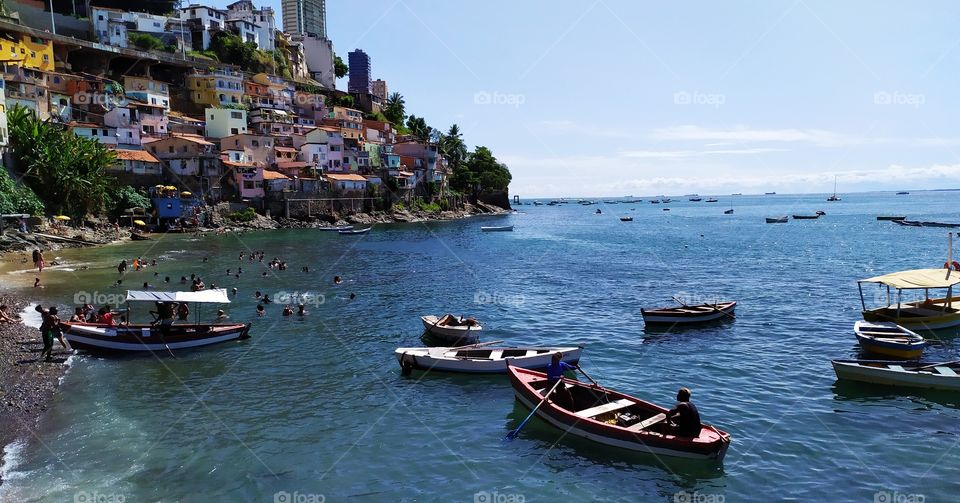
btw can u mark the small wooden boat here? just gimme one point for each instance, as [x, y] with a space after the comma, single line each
[337, 229]
[615, 419]
[351, 231]
[599, 211]
[898, 373]
[139, 237]
[626, 219]
[712, 200]
[689, 314]
[654, 201]
[666, 209]
[889, 339]
[777, 220]
[769, 193]
[728, 212]
[939, 224]
[139, 338]
[667, 200]
[696, 199]
[902, 193]
[497, 228]
[482, 360]
[891, 217]
[806, 217]
[453, 329]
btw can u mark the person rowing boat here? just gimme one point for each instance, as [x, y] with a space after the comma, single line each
[555, 370]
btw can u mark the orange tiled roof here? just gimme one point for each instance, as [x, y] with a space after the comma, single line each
[135, 155]
[274, 175]
[346, 178]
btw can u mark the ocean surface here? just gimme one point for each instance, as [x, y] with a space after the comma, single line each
[314, 408]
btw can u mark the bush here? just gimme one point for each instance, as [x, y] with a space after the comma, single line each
[398, 206]
[145, 41]
[17, 198]
[127, 197]
[246, 215]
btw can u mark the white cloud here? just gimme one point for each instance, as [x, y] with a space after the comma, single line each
[743, 134]
[684, 154]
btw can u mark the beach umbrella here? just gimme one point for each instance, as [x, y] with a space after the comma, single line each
[186, 193]
[62, 217]
[139, 222]
[171, 187]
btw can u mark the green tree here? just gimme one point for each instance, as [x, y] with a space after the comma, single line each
[127, 197]
[418, 128]
[394, 108]
[481, 172]
[340, 68]
[67, 172]
[452, 146]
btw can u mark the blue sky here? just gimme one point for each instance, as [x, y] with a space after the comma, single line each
[611, 97]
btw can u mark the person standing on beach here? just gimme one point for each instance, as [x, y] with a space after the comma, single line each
[122, 268]
[48, 329]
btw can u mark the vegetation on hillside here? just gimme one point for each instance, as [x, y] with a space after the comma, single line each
[67, 173]
[16, 197]
[340, 68]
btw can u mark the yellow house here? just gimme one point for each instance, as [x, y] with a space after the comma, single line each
[29, 52]
[216, 88]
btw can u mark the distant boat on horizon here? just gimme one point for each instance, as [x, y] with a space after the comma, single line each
[902, 193]
[834, 197]
[770, 193]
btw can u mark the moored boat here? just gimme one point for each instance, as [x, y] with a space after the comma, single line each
[497, 228]
[927, 314]
[337, 229]
[689, 314]
[891, 217]
[626, 219]
[944, 375]
[352, 231]
[806, 217]
[777, 220]
[452, 329]
[889, 339]
[712, 200]
[138, 338]
[613, 418]
[482, 360]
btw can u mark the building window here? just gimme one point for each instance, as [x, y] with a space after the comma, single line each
[234, 130]
[236, 115]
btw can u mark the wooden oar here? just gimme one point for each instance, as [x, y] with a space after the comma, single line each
[595, 383]
[513, 434]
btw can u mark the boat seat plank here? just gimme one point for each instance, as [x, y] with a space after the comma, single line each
[646, 423]
[898, 368]
[604, 408]
[946, 371]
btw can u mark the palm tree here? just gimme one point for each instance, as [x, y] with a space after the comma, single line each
[395, 108]
[453, 147]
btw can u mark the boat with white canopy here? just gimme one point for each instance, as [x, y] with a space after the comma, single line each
[164, 333]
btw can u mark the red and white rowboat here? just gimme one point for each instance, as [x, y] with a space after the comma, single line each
[615, 419]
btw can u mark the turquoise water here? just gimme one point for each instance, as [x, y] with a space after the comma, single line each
[315, 408]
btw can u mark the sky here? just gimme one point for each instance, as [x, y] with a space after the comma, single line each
[615, 98]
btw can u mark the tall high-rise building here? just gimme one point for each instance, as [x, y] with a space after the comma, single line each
[359, 64]
[305, 17]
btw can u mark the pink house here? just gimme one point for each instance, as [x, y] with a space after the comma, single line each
[249, 178]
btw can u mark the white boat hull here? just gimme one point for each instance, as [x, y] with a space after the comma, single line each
[446, 359]
[896, 377]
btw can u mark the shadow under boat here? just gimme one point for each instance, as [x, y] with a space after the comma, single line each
[538, 430]
[856, 391]
[658, 330]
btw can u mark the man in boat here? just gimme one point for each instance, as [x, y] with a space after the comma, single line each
[555, 370]
[687, 422]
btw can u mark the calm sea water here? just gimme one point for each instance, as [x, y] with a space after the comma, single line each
[315, 408]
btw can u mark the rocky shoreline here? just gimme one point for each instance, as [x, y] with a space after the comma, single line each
[45, 239]
[27, 384]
